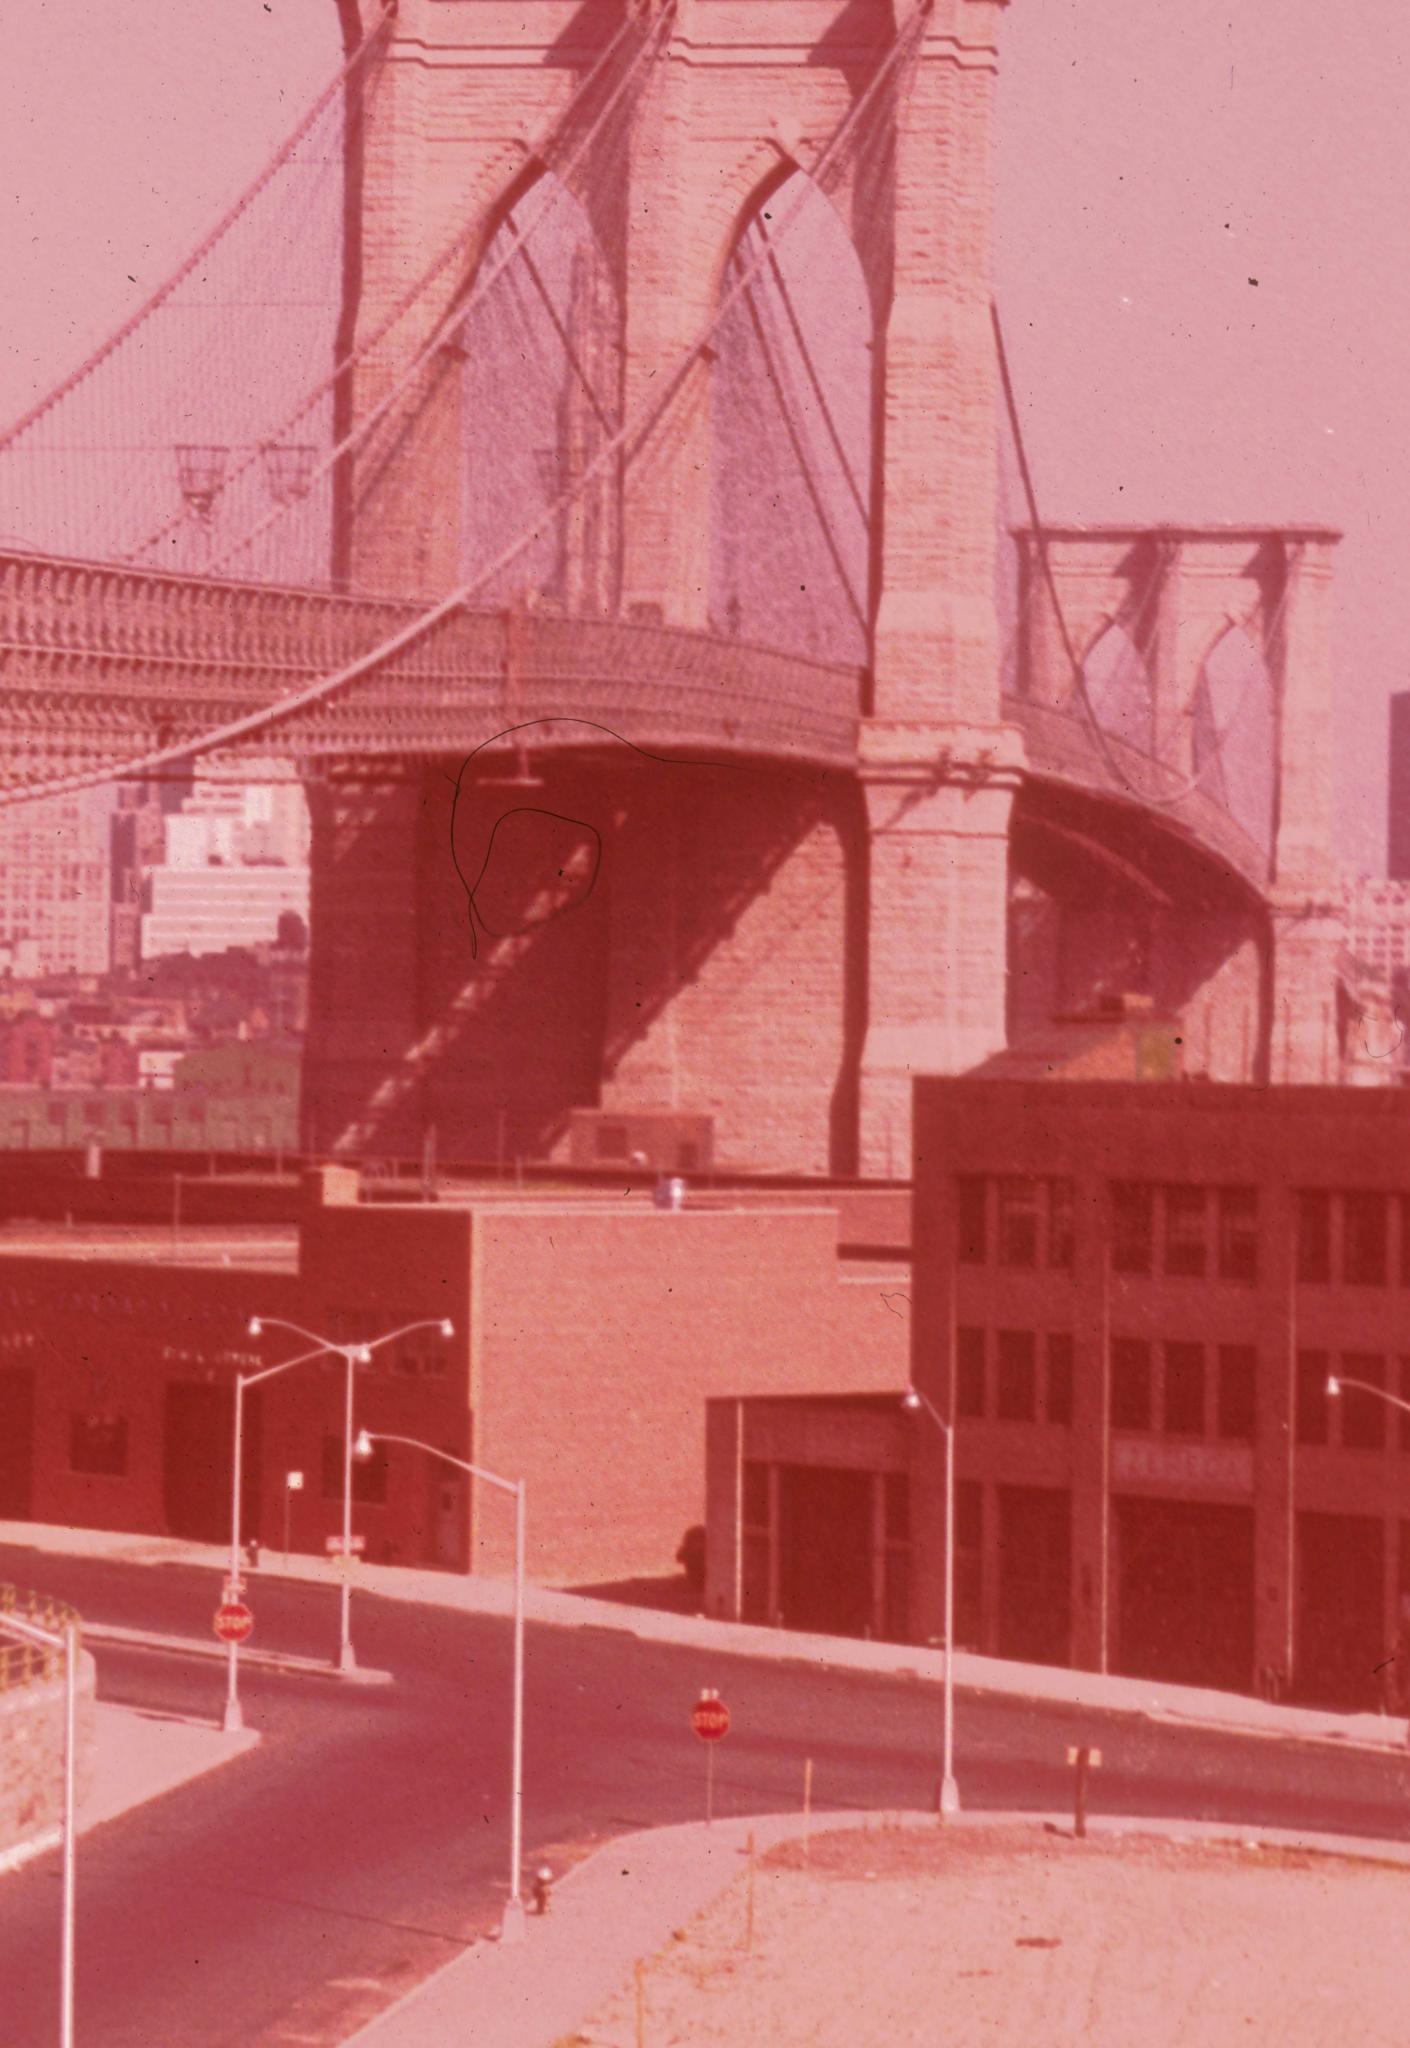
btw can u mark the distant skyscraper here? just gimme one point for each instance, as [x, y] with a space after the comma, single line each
[1398, 838]
[55, 882]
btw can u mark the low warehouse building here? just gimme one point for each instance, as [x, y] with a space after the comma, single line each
[588, 1334]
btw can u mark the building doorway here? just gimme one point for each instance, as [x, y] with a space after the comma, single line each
[825, 1549]
[198, 1447]
[17, 1443]
[448, 1519]
[1035, 1574]
[1184, 1578]
[1340, 1634]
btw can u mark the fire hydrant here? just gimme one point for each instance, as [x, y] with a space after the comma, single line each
[542, 1888]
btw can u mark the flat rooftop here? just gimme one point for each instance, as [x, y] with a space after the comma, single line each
[261, 1248]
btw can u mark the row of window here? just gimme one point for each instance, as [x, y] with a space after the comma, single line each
[1194, 1233]
[1184, 1389]
[1354, 1420]
[1360, 1236]
[1029, 1221]
[1030, 1380]
[1179, 1389]
[98, 1446]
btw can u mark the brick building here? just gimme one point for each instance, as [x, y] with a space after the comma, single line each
[1131, 1297]
[589, 1333]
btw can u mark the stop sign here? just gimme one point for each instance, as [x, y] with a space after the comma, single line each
[710, 1717]
[233, 1621]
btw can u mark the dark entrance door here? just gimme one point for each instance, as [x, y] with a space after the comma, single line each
[1184, 1592]
[825, 1549]
[198, 1446]
[17, 1443]
[1035, 1572]
[1340, 1634]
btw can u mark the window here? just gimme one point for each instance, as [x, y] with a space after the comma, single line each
[369, 1475]
[1314, 1236]
[1365, 1219]
[1130, 1383]
[1238, 1234]
[1312, 1398]
[1017, 1399]
[98, 1444]
[1062, 1233]
[1363, 1416]
[1186, 1249]
[1238, 1391]
[1060, 1376]
[970, 1192]
[1018, 1222]
[1184, 1390]
[969, 1373]
[1132, 1224]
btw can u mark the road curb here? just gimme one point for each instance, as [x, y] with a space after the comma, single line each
[1196, 1708]
[267, 1660]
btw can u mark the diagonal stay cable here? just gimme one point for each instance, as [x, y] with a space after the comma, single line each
[456, 246]
[1192, 784]
[374, 39]
[631, 437]
[459, 312]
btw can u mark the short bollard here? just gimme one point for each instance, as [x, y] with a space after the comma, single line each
[542, 1888]
[1085, 1759]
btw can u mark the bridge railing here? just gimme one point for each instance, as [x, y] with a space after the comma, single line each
[99, 664]
[1061, 744]
[27, 1662]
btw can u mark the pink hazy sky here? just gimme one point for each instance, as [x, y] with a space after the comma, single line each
[1152, 160]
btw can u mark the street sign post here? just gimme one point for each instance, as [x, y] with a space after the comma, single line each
[709, 1718]
[233, 1621]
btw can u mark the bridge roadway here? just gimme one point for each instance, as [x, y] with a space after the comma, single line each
[101, 664]
[288, 1897]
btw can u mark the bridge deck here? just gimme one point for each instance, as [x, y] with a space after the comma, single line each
[103, 665]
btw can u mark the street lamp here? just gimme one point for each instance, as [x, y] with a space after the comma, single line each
[915, 1400]
[513, 1925]
[352, 1356]
[1337, 1381]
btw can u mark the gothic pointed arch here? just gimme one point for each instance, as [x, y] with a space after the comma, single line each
[791, 431]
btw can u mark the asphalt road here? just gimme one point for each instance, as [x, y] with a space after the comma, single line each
[287, 1896]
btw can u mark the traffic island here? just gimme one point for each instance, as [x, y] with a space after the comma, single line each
[1016, 1931]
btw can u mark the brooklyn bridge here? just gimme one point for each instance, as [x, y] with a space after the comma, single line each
[588, 454]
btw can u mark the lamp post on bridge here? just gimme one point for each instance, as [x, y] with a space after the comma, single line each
[352, 1356]
[513, 1925]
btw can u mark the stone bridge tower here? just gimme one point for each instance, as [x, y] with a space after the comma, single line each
[778, 945]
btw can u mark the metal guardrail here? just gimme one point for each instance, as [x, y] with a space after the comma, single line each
[28, 1662]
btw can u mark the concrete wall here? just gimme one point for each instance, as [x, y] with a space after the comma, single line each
[600, 1340]
[32, 1751]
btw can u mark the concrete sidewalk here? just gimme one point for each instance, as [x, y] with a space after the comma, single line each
[627, 1901]
[1230, 1713]
[136, 1758]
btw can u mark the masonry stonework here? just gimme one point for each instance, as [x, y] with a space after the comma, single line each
[786, 951]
